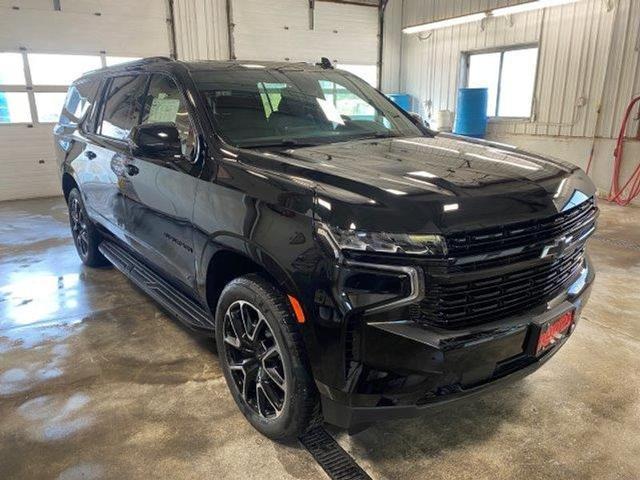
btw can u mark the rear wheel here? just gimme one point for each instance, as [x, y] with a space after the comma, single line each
[85, 235]
[263, 358]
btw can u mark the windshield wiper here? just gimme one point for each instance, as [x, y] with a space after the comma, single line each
[287, 143]
[376, 135]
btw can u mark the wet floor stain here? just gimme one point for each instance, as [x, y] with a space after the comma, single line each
[97, 383]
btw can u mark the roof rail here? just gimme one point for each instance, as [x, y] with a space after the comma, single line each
[130, 65]
[144, 61]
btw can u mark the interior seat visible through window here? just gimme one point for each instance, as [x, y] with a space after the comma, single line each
[242, 115]
[164, 104]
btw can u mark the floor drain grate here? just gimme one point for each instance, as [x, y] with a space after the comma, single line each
[338, 464]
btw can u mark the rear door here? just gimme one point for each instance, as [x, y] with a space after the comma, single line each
[104, 183]
[162, 188]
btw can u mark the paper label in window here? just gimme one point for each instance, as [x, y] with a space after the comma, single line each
[163, 109]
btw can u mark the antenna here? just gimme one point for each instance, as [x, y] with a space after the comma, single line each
[325, 63]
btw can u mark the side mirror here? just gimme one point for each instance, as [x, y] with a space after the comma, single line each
[156, 140]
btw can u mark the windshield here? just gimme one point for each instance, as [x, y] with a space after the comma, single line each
[290, 107]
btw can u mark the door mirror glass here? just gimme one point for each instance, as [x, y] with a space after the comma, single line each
[156, 140]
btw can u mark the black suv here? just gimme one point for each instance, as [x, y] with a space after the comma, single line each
[350, 262]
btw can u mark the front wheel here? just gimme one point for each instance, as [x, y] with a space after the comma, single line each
[263, 359]
[85, 235]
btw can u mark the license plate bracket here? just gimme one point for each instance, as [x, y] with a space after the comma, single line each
[550, 333]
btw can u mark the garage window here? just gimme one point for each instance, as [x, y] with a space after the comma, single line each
[14, 107]
[33, 86]
[14, 100]
[510, 76]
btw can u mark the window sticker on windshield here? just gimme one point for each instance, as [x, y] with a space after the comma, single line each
[163, 109]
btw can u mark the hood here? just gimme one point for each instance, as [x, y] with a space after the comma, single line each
[422, 184]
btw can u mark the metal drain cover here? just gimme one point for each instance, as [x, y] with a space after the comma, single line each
[338, 464]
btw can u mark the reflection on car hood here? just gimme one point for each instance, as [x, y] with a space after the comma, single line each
[419, 180]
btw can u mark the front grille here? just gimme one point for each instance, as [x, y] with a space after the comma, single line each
[462, 304]
[573, 222]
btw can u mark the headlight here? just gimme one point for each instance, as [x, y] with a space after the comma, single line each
[407, 243]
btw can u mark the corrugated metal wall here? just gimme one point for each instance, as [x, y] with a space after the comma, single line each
[392, 47]
[201, 29]
[623, 70]
[588, 58]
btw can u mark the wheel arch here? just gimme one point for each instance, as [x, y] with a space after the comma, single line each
[68, 184]
[223, 263]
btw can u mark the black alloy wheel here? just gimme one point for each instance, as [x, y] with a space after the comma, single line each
[85, 235]
[254, 359]
[79, 227]
[264, 359]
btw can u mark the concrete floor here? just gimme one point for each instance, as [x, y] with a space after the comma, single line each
[96, 382]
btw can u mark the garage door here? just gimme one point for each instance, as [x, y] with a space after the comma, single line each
[43, 46]
[346, 34]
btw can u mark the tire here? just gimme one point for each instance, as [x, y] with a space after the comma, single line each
[274, 391]
[85, 234]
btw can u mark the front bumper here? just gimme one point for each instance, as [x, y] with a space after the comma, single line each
[408, 368]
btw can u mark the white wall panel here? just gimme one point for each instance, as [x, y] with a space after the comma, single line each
[201, 29]
[431, 61]
[116, 30]
[122, 28]
[623, 71]
[588, 71]
[27, 163]
[575, 73]
[342, 32]
[392, 47]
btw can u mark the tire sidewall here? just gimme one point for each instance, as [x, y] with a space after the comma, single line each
[287, 423]
[93, 257]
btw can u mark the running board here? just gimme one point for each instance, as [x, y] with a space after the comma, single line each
[179, 305]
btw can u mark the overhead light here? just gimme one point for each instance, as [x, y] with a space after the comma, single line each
[529, 6]
[476, 17]
[449, 22]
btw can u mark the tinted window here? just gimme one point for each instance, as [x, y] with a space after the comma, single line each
[122, 106]
[79, 99]
[263, 107]
[164, 104]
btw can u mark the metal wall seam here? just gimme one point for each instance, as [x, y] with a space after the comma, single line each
[577, 75]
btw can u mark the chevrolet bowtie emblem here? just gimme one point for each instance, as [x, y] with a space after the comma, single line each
[557, 248]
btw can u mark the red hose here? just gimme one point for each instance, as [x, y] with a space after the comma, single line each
[616, 193]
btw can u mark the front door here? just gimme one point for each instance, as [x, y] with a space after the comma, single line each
[162, 189]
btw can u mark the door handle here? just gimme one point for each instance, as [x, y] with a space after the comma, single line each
[132, 169]
[89, 154]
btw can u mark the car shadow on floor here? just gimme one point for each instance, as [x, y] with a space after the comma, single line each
[452, 426]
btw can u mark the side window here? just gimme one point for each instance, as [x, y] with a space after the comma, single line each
[164, 104]
[79, 99]
[122, 106]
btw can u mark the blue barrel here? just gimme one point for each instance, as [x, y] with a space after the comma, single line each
[471, 114]
[403, 100]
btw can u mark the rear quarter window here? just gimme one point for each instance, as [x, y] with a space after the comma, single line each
[80, 97]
